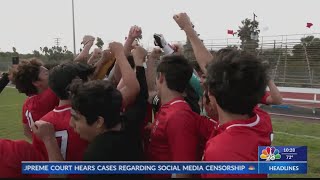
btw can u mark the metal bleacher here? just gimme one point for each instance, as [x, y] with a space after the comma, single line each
[285, 69]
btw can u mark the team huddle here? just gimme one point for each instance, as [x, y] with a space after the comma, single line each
[125, 104]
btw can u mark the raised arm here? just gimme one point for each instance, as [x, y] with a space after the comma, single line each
[131, 88]
[134, 33]
[45, 131]
[139, 55]
[203, 56]
[84, 54]
[153, 58]
[103, 65]
[96, 54]
[275, 97]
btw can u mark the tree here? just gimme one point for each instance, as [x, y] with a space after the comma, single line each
[15, 53]
[245, 33]
[45, 50]
[99, 43]
[57, 53]
[36, 53]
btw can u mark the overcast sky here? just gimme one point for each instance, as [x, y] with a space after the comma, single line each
[30, 24]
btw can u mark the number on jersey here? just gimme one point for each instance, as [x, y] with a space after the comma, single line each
[29, 118]
[64, 142]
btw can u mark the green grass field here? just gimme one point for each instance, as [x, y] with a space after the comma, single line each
[287, 132]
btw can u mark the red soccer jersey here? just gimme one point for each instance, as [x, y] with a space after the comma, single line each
[176, 134]
[35, 107]
[238, 140]
[71, 146]
[11, 155]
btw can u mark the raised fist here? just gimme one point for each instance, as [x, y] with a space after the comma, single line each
[86, 39]
[135, 32]
[43, 130]
[97, 52]
[183, 20]
[155, 53]
[139, 54]
[116, 48]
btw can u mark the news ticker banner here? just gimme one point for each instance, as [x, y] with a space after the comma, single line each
[269, 163]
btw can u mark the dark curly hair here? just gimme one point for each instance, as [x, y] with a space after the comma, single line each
[27, 73]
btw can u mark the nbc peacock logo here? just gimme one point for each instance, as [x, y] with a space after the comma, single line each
[270, 154]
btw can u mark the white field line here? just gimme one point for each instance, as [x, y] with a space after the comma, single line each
[297, 135]
[11, 105]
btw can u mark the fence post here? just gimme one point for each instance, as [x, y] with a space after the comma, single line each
[312, 76]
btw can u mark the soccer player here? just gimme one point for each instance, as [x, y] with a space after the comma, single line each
[96, 107]
[60, 78]
[175, 132]
[273, 97]
[236, 85]
[31, 78]
[12, 153]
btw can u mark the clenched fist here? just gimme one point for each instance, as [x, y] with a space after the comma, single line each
[183, 20]
[135, 32]
[43, 130]
[139, 54]
[155, 54]
[116, 48]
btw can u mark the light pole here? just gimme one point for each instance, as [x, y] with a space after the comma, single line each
[254, 34]
[74, 30]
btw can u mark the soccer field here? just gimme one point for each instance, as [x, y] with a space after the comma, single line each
[287, 132]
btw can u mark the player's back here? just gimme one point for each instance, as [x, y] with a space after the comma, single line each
[37, 106]
[71, 146]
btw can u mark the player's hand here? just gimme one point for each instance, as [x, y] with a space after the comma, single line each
[96, 52]
[116, 48]
[155, 53]
[107, 55]
[178, 49]
[183, 20]
[139, 54]
[43, 130]
[86, 39]
[135, 32]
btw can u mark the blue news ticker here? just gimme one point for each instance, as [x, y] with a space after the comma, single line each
[164, 167]
[271, 160]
